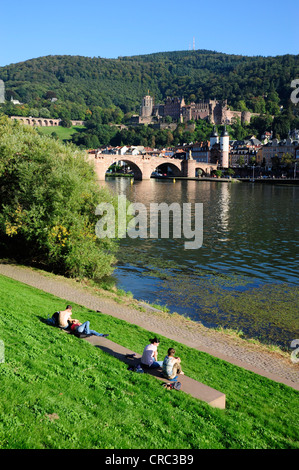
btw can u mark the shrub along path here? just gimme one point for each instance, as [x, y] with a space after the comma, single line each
[240, 352]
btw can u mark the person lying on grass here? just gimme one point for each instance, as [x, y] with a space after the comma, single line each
[84, 328]
[66, 321]
[171, 365]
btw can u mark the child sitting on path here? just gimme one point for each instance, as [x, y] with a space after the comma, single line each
[171, 365]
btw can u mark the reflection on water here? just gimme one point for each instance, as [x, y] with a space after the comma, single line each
[224, 209]
[250, 239]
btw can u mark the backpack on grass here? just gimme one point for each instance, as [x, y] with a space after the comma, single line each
[172, 386]
[138, 368]
[54, 319]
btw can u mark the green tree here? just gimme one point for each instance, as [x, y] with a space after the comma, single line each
[287, 160]
[48, 196]
[66, 123]
[45, 113]
[34, 112]
[242, 105]
[281, 127]
[241, 160]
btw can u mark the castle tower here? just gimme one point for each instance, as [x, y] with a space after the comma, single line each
[245, 117]
[214, 138]
[224, 148]
[146, 108]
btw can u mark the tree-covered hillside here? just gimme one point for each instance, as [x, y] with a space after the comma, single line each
[256, 83]
[104, 91]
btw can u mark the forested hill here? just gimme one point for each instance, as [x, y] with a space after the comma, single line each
[255, 83]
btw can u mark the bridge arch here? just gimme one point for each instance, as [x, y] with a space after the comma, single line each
[173, 166]
[133, 166]
[200, 171]
[103, 163]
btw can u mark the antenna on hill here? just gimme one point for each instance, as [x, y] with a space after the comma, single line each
[194, 43]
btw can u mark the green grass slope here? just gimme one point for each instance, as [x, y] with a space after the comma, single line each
[61, 392]
[63, 133]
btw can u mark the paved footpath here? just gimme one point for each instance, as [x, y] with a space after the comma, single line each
[234, 350]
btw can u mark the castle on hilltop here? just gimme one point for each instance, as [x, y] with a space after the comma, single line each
[215, 111]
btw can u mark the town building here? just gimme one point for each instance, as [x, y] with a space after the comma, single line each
[277, 148]
[294, 134]
[266, 137]
[242, 157]
[216, 150]
[199, 151]
[244, 152]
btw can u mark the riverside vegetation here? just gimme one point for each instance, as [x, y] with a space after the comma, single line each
[48, 196]
[62, 392]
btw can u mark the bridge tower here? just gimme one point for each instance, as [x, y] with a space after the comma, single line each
[224, 148]
[214, 138]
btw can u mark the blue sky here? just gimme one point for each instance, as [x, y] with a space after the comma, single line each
[93, 28]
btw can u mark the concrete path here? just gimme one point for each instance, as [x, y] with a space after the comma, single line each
[193, 387]
[234, 350]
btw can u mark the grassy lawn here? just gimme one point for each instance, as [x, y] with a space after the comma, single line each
[64, 133]
[58, 391]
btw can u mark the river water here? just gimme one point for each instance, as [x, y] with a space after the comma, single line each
[245, 274]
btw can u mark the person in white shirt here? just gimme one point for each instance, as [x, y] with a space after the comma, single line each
[149, 357]
[171, 365]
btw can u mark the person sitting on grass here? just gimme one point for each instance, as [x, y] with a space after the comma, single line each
[150, 355]
[84, 328]
[65, 317]
[171, 365]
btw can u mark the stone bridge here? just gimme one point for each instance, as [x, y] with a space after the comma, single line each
[144, 165]
[43, 122]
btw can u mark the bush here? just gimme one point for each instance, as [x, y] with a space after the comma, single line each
[48, 196]
[66, 123]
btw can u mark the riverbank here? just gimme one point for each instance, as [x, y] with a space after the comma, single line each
[251, 356]
[276, 181]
